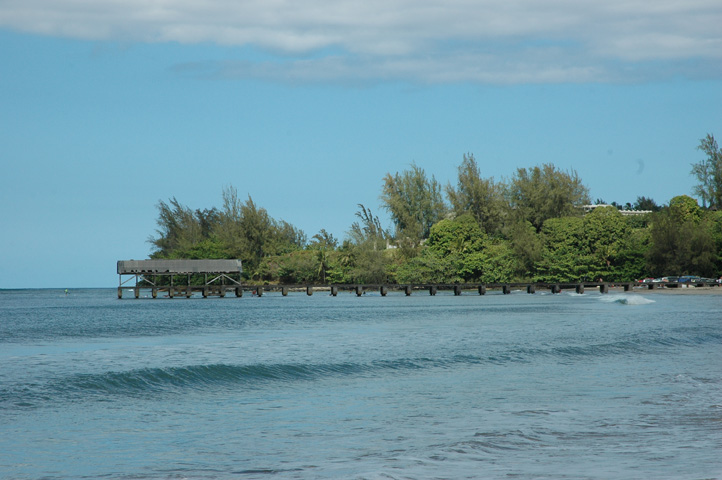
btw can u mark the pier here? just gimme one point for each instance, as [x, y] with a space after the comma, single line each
[184, 278]
[457, 288]
[180, 277]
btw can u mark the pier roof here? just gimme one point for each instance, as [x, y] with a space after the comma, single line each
[127, 267]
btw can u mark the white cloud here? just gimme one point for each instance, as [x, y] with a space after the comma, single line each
[420, 40]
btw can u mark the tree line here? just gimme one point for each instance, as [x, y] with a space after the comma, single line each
[531, 227]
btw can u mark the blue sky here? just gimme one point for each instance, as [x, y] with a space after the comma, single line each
[107, 107]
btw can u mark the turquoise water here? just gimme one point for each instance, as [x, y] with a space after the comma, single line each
[619, 386]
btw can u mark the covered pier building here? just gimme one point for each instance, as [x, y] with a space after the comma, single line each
[180, 277]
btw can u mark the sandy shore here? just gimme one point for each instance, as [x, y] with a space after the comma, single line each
[672, 291]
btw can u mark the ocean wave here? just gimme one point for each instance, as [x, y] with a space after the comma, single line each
[150, 382]
[169, 380]
[626, 299]
[203, 376]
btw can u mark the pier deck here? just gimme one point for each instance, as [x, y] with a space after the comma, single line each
[237, 289]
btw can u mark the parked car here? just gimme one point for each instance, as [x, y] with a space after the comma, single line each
[689, 279]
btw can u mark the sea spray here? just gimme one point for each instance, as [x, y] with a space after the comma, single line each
[626, 299]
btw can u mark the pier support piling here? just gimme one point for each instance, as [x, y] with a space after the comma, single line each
[457, 290]
[432, 290]
[407, 290]
[383, 290]
[531, 289]
[309, 290]
[359, 290]
[506, 289]
[482, 289]
[580, 288]
[334, 290]
[604, 288]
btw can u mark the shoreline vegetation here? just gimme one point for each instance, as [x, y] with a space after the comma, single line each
[538, 226]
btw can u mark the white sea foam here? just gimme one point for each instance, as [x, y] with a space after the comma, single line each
[626, 299]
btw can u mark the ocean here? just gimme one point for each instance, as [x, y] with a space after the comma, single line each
[519, 386]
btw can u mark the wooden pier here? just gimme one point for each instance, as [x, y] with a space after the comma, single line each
[456, 288]
[184, 278]
[180, 277]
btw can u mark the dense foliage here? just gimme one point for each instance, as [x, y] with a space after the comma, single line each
[529, 228]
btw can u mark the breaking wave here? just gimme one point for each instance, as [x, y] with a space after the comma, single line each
[626, 299]
[151, 382]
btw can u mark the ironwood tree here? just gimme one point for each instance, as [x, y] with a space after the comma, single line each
[483, 198]
[543, 192]
[708, 173]
[414, 202]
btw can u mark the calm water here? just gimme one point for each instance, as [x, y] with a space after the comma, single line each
[623, 386]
